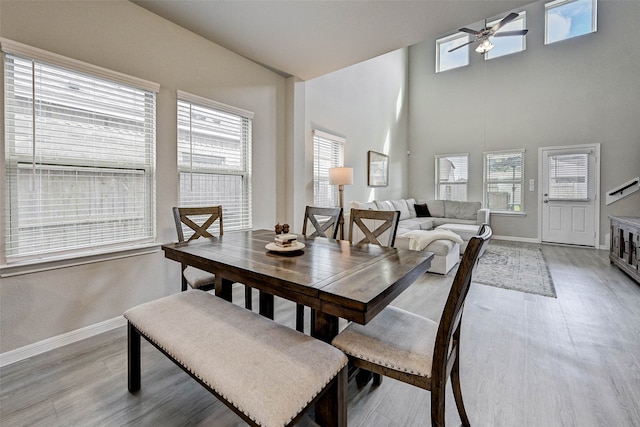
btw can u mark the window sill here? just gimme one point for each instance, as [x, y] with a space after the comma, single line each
[521, 213]
[35, 266]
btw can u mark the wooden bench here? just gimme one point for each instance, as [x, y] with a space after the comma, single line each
[265, 372]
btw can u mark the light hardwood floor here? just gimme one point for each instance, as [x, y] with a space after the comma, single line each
[526, 361]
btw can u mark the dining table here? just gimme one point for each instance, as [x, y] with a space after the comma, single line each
[338, 279]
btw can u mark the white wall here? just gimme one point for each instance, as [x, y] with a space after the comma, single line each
[583, 90]
[124, 37]
[366, 104]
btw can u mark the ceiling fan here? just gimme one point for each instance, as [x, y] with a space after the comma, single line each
[482, 36]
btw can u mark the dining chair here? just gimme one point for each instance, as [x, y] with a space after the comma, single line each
[374, 225]
[414, 349]
[322, 219]
[201, 220]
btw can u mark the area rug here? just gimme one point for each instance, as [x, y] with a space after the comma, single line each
[516, 266]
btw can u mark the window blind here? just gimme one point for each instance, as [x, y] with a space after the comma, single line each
[80, 158]
[328, 152]
[569, 177]
[504, 180]
[214, 158]
[452, 176]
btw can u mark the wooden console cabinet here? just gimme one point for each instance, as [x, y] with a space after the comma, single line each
[625, 239]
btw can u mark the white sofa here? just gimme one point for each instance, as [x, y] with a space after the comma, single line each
[442, 212]
[446, 252]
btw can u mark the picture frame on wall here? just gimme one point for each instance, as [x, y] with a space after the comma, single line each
[377, 169]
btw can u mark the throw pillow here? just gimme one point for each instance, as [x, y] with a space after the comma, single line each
[422, 210]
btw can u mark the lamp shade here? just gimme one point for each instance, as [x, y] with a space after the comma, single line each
[341, 176]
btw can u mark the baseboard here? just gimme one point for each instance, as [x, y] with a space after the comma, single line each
[516, 239]
[43, 346]
[531, 240]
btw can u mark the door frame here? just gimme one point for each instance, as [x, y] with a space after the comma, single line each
[596, 183]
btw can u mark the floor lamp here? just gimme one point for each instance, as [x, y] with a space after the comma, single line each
[341, 177]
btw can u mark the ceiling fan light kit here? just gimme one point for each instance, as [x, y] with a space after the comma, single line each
[482, 36]
[484, 47]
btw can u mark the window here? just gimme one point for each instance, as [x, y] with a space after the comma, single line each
[80, 156]
[507, 45]
[214, 158]
[446, 60]
[565, 19]
[452, 176]
[503, 181]
[328, 152]
[569, 177]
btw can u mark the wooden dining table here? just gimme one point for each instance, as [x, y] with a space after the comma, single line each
[336, 278]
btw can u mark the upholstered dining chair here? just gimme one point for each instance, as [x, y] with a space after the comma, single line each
[373, 224]
[322, 219]
[414, 349]
[200, 220]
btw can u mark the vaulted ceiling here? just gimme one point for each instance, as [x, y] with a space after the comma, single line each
[311, 38]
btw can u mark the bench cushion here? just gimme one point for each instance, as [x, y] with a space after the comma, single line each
[198, 278]
[267, 371]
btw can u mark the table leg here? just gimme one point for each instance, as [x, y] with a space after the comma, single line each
[325, 326]
[331, 407]
[266, 304]
[223, 288]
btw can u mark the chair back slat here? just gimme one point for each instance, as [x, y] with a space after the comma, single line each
[198, 219]
[373, 224]
[318, 218]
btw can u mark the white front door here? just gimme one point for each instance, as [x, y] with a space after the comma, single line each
[569, 193]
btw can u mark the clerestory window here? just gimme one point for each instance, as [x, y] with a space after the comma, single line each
[565, 19]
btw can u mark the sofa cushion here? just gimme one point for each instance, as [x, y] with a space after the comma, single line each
[461, 210]
[354, 204]
[436, 208]
[440, 247]
[426, 223]
[401, 205]
[440, 221]
[412, 209]
[422, 210]
[411, 224]
[401, 230]
[384, 205]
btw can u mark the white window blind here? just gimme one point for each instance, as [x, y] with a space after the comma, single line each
[214, 158]
[503, 181]
[328, 152]
[569, 177]
[80, 157]
[452, 176]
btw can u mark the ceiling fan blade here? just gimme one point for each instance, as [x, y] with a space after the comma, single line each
[510, 17]
[468, 30]
[511, 33]
[462, 45]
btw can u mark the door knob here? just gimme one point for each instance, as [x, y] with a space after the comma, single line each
[546, 201]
